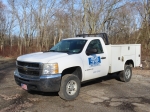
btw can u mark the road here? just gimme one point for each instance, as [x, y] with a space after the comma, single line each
[105, 94]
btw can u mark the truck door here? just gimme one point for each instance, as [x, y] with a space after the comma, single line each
[96, 65]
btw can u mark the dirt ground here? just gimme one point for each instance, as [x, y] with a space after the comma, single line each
[106, 94]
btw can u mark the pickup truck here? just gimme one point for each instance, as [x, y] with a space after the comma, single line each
[75, 60]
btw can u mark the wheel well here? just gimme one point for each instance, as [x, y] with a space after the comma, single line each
[73, 70]
[130, 62]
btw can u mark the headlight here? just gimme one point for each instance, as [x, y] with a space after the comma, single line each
[50, 68]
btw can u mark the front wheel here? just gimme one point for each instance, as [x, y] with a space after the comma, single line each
[70, 87]
[126, 74]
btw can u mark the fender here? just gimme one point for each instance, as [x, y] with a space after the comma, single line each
[69, 61]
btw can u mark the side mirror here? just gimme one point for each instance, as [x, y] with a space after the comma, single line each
[91, 51]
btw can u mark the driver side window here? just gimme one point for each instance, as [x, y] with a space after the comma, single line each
[95, 44]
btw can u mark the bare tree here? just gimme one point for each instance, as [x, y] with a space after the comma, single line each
[2, 25]
[39, 24]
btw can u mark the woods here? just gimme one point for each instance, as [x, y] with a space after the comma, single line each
[36, 25]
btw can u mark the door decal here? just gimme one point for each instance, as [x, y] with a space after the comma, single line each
[94, 60]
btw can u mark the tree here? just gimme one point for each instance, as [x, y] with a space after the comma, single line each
[2, 25]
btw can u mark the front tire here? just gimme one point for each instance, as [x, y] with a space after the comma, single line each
[70, 87]
[126, 74]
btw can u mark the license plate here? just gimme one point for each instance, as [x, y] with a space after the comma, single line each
[24, 86]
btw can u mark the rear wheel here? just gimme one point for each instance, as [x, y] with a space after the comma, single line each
[126, 74]
[70, 87]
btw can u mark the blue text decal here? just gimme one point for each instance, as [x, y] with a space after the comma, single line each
[94, 60]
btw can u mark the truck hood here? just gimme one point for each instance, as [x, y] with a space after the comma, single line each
[43, 57]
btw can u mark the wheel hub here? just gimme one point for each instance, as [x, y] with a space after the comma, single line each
[127, 73]
[71, 87]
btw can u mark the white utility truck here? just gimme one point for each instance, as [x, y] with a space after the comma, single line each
[75, 60]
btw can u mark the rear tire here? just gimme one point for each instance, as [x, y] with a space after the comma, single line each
[70, 87]
[126, 74]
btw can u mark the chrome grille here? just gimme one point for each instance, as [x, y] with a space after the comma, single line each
[28, 68]
[35, 65]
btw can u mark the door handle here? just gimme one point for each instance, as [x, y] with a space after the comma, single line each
[103, 57]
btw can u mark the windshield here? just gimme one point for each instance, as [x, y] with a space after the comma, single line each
[69, 46]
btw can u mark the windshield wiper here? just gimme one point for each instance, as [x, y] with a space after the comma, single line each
[49, 51]
[58, 51]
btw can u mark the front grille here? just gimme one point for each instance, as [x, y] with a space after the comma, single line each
[36, 65]
[28, 72]
[27, 68]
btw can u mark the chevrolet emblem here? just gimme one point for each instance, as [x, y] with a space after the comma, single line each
[25, 68]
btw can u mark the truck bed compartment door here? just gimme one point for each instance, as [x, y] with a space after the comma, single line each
[138, 55]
